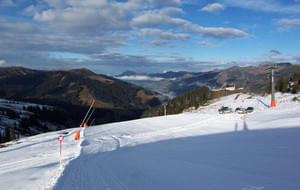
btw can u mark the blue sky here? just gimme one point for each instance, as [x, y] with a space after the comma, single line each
[111, 36]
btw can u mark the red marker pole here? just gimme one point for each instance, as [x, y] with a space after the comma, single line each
[60, 138]
[60, 149]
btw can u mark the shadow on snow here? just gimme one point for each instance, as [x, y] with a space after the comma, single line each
[258, 159]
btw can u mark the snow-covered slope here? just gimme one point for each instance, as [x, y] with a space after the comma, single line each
[33, 162]
[200, 150]
[24, 118]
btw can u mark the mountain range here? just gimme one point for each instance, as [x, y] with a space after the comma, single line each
[121, 98]
[171, 84]
[74, 90]
[78, 86]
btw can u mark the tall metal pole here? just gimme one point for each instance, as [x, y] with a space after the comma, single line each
[90, 116]
[273, 86]
[87, 113]
[60, 153]
[273, 103]
[92, 122]
[165, 109]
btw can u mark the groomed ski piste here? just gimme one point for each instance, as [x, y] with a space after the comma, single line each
[203, 150]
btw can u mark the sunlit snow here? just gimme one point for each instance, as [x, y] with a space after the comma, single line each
[200, 150]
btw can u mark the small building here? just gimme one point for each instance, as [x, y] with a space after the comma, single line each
[230, 87]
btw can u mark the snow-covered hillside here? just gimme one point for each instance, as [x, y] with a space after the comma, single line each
[199, 150]
[24, 119]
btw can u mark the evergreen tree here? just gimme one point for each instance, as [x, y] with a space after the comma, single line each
[24, 126]
[296, 82]
[7, 134]
[0, 136]
[268, 87]
[296, 77]
[282, 84]
[12, 135]
[193, 98]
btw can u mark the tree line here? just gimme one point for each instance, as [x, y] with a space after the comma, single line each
[192, 98]
[29, 120]
[286, 84]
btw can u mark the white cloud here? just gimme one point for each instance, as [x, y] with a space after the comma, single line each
[213, 8]
[7, 3]
[140, 78]
[156, 18]
[285, 21]
[288, 24]
[28, 37]
[208, 44]
[294, 58]
[161, 17]
[265, 5]
[222, 33]
[100, 16]
[150, 4]
[164, 37]
[216, 32]
[205, 44]
[19, 27]
[30, 10]
[89, 16]
[165, 2]
[159, 42]
[46, 16]
[163, 34]
[56, 3]
[86, 3]
[276, 56]
[171, 11]
[95, 29]
[2, 62]
[271, 53]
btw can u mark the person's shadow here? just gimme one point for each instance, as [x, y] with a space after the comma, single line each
[245, 126]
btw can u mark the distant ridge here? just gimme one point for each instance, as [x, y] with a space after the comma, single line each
[254, 78]
[73, 90]
[77, 86]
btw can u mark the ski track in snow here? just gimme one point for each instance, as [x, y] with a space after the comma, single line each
[202, 150]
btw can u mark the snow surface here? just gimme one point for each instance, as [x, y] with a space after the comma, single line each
[199, 150]
[33, 162]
